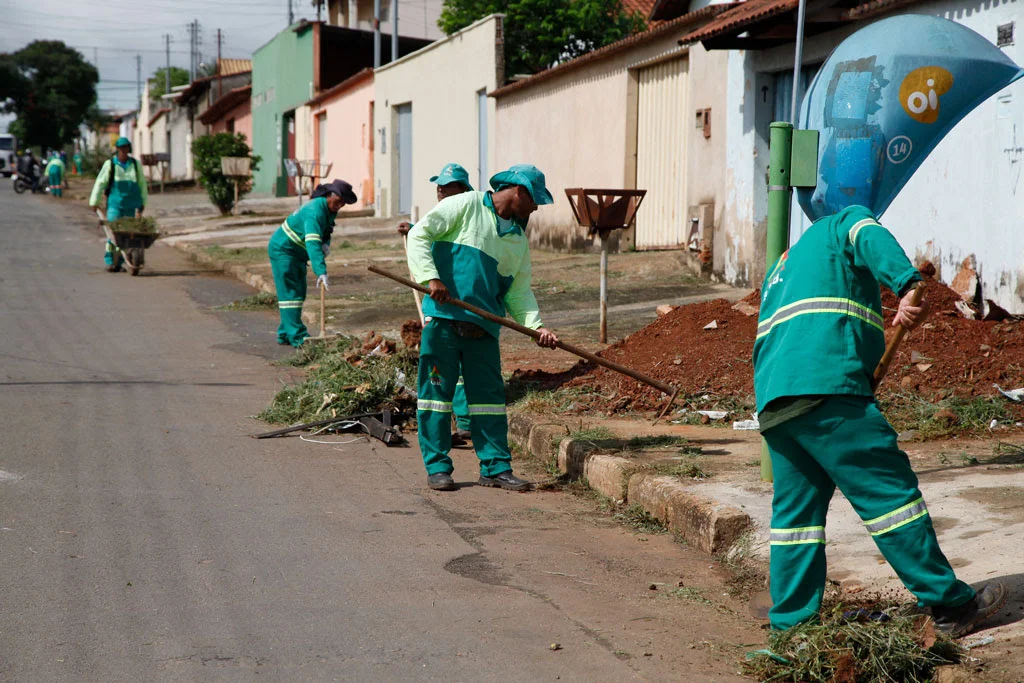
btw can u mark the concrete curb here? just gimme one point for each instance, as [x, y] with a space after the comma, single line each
[704, 523]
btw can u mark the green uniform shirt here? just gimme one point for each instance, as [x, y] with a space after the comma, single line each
[481, 258]
[306, 231]
[128, 191]
[55, 163]
[820, 330]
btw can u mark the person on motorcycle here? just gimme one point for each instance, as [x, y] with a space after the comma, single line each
[28, 169]
[124, 185]
[55, 174]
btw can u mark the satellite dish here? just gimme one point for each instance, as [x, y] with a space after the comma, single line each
[885, 98]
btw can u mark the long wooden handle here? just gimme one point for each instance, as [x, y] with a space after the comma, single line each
[323, 319]
[415, 292]
[897, 339]
[575, 350]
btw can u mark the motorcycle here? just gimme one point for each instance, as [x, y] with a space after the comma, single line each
[22, 183]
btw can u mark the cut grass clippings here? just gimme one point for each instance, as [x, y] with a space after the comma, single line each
[142, 224]
[240, 255]
[342, 380]
[905, 648]
[256, 302]
[948, 417]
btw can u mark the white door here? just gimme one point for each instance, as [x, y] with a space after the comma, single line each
[403, 146]
[663, 121]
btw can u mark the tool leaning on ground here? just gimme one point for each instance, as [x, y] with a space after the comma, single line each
[575, 350]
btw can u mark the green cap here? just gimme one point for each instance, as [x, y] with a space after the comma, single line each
[527, 175]
[123, 142]
[452, 173]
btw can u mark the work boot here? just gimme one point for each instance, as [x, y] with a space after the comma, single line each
[442, 481]
[111, 268]
[961, 620]
[461, 437]
[505, 480]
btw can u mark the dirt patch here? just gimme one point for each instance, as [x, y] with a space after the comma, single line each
[706, 348]
[1005, 500]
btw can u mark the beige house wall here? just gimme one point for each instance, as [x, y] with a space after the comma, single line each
[579, 128]
[442, 82]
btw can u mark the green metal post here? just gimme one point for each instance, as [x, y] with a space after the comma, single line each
[780, 194]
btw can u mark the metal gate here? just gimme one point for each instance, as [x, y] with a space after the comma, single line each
[662, 126]
[403, 147]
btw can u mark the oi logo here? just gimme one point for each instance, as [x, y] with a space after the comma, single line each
[920, 91]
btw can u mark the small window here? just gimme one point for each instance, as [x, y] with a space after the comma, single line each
[1004, 35]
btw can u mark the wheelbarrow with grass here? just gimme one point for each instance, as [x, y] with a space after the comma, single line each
[132, 236]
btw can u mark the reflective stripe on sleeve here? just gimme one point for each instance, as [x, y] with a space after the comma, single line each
[897, 518]
[291, 234]
[857, 228]
[799, 536]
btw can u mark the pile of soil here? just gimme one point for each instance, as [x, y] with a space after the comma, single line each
[948, 355]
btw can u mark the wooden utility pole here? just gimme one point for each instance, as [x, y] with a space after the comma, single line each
[219, 84]
[167, 68]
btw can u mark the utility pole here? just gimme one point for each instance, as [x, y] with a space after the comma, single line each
[394, 30]
[167, 69]
[191, 51]
[138, 78]
[219, 84]
[376, 33]
[291, 13]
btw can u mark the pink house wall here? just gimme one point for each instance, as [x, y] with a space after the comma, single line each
[242, 116]
[349, 137]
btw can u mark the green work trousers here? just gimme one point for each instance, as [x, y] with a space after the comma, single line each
[846, 442]
[460, 406]
[288, 263]
[443, 353]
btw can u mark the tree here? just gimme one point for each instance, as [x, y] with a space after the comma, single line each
[158, 81]
[49, 87]
[542, 33]
[207, 151]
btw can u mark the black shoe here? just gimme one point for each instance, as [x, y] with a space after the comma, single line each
[507, 481]
[442, 481]
[961, 620]
[111, 269]
[461, 437]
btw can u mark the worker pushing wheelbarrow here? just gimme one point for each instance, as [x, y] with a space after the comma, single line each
[122, 183]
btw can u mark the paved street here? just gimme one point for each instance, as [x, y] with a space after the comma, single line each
[145, 536]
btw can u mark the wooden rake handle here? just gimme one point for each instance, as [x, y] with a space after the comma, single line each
[894, 344]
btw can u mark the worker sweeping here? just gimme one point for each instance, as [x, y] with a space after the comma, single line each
[819, 338]
[304, 236]
[55, 174]
[473, 247]
[452, 180]
[121, 181]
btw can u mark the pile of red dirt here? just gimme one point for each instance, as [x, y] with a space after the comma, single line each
[947, 355]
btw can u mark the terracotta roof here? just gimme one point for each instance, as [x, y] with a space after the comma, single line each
[158, 114]
[225, 104]
[230, 67]
[747, 13]
[644, 7]
[342, 87]
[615, 48]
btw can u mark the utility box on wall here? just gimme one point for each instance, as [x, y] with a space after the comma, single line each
[700, 238]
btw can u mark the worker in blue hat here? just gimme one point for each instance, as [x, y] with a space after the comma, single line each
[121, 180]
[473, 247]
[304, 236]
[452, 180]
[55, 174]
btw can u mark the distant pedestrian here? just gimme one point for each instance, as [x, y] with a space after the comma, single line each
[819, 337]
[77, 159]
[452, 180]
[304, 236]
[473, 247]
[121, 181]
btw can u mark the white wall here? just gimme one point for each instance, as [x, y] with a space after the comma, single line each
[441, 81]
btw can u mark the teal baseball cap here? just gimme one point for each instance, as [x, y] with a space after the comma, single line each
[527, 175]
[452, 173]
[123, 142]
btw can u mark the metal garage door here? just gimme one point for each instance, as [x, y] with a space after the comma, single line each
[662, 125]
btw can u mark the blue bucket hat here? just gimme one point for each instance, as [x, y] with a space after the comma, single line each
[452, 173]
[124, 142]
[527, 175]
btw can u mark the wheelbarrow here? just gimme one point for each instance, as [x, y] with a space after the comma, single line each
[133, 245]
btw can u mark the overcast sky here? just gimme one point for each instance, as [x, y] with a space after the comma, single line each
[110, 33]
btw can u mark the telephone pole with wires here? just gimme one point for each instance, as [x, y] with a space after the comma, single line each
[167, 70]
[291, 13]
[219, 83]
[138, 79]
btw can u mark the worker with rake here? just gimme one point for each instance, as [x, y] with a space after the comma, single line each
[819, 337]
[452, 180]
[55, 174]
[120, 179]
[473, 247]
[304, 236]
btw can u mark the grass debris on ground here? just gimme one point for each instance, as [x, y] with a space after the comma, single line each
[142, 224]
[254, 302]
[855, 649]
[238, 255]
[346, 376]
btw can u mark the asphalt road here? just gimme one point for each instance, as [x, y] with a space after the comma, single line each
[145, 536]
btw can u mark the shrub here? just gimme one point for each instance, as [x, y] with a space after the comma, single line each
[207, 152]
